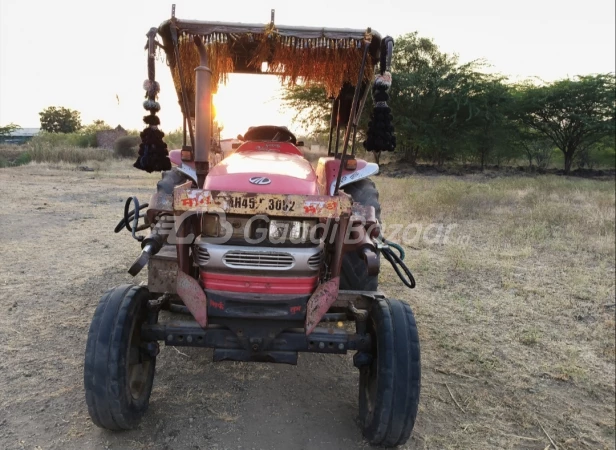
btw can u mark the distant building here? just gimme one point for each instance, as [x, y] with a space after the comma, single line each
[106, 138]
[226, 145]
[20, 136]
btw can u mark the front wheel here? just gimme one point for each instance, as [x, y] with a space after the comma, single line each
[389, 381]
[119, 365]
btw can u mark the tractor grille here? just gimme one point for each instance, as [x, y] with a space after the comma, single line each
[201, 255]
[314, 262]
[258, 260]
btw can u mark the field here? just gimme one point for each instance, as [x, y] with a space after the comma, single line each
[514, 302]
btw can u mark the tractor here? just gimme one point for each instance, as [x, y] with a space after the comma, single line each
[259, 255]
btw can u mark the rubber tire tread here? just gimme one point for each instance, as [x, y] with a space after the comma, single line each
[110, 405]
[169, 180]
[399, 375]
[354, 274]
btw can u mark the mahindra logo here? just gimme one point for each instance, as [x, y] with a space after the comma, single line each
[260, 180]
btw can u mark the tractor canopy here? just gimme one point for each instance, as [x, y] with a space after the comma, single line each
[330, 57]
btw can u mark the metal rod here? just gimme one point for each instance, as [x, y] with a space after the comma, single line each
[203, 113]
[347, 133]
[331, 128]
[339, 245]
[358, 117]
[337, 127]
[176, 51]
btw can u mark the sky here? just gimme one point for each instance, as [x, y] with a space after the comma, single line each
[86, 55]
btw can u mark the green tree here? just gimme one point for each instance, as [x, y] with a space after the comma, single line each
[311, 106]
[6, 130]
[423, 77]
[575, 114]
[60, 120]
[482, 103]
[443, 109]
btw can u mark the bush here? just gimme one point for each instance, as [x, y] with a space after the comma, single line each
[174, 139]
[23, 159]
[126, 146]
[14, 155]
[82, 139]
[75, 155]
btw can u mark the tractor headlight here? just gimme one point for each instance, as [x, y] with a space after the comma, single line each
[259, 228]
[294, 230]
[210, 225]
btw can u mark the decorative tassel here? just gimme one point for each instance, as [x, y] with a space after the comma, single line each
[153, 153]
[380, 135]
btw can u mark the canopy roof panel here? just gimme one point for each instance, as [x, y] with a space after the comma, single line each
[327, 56]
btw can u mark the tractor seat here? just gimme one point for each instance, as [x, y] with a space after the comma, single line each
[269, 133]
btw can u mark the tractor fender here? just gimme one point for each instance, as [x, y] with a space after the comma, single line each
[327, 172]
[187, 168]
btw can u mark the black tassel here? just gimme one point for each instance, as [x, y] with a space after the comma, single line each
[153, 153]
[380, 135]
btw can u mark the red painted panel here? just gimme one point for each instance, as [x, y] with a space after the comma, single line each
[327, 171]
[318, 304]
[278, 147]
[193, 297]
[258, 284]
[285, 173]
[176, 158]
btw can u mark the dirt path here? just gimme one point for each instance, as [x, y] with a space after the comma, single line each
[481, 388]
[59, 255]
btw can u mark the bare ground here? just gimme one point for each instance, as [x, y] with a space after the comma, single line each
[514, 314]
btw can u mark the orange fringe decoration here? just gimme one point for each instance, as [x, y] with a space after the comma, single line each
[322, 61]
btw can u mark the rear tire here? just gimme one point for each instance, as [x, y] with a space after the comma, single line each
[389, 386]
[354, 273]
[118, 373]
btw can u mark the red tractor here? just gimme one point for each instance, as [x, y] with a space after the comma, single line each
[258, 254]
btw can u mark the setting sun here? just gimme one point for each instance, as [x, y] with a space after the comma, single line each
[249, 100]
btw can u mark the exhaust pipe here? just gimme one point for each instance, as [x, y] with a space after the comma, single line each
[203, 113]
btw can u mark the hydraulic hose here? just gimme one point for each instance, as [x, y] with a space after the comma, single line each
[396, 262]
[130, 216]
[401, 252]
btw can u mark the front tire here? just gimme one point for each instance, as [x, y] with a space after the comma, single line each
[118, 371]
[389, 385]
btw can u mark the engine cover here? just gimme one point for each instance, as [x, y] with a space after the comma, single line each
[263, 171]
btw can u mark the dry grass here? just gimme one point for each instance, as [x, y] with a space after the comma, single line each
[73, 155]
[511, 312]
[45, 152]
[517, 299]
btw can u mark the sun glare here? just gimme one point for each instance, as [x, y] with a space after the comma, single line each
[249, 100]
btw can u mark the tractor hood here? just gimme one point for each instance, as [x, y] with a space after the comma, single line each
[267, 172]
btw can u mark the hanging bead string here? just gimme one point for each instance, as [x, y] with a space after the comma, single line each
[153, 154]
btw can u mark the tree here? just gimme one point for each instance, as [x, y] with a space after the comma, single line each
[6, 130]
[311, 106]
[482, 103]
[575, 114]
[423, 77]
[537, 148]
[60, 120]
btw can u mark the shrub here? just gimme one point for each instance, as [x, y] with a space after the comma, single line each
[126, 146]
[23, 159]
[75, 155]
[174, 139]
